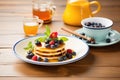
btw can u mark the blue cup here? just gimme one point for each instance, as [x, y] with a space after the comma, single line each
[98, 33]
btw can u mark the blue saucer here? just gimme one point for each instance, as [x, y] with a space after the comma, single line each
[113, 35]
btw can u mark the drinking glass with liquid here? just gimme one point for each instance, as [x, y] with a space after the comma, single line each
[44, 9]
[31, 25]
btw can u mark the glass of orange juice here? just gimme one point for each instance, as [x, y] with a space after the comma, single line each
[31, 25]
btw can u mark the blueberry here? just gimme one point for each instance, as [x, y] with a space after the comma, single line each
[30, 51]
[88, 41]
[99, 24]
[83, 34]
[38, 43]
[47, 45]
[60, 41]
[93, 26]
[96, 24]
[46, 41]
[80, 38]
[39, 59]
[73, 53]
[92, 23]
[108, 40]
[88, 24]
[56, 44]
[56, 41]
[52, 46]
[46, 60]
[92, 42]
[29, 56]
[64, 57]
[76, 36]
[109, 34]
[60, 59]
[69, 56]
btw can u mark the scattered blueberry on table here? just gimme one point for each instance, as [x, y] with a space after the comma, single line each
[108, 40]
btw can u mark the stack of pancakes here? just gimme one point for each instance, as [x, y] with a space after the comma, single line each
[49, 53]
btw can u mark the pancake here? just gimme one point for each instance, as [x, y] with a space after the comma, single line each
[50, 53]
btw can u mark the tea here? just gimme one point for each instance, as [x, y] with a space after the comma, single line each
[43, 14]
[44, 9]
[31, 28]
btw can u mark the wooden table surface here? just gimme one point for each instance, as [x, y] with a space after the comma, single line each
[102, 63]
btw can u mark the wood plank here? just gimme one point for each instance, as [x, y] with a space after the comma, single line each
[58, 71]
[103, 58]
[55, 78]
[23, 2]
[8, 41]
[102, 63]
[17, 2]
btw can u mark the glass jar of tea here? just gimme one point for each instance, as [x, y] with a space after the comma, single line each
[44, 9]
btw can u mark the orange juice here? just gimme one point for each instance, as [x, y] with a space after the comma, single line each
[76, 10]
[31, 28]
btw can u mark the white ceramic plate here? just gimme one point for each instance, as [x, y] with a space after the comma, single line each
[114, 36]
[77, 45]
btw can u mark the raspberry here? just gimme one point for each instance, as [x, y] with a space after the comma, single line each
[52, 42]
[34, 58]
[53, 35]
[69, 51]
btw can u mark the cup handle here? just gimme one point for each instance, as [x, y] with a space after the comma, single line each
[40, 22]
[53, 9]
[98, 6]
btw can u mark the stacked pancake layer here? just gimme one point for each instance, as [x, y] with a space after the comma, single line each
[51, 54]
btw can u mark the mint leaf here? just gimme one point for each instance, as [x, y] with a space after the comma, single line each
[63, 38]
[47, 33]
[26, 48]
[41, 39]
[29, 46]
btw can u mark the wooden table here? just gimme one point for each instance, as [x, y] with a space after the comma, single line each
[102, 63]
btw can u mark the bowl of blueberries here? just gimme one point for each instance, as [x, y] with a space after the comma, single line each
[97, 27]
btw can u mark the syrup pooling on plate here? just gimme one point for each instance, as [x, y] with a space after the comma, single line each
[49, 48]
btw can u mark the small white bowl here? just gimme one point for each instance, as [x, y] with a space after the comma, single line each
[98, 33]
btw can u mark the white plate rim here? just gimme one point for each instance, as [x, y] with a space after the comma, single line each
[49, 63]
